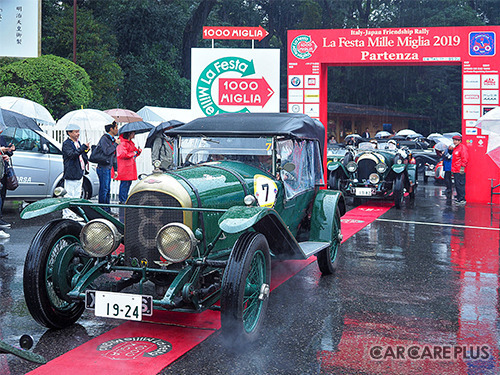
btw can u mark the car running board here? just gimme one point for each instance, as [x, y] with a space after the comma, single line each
[310, 248]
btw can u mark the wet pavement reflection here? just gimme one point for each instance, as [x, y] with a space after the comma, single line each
[416, 293]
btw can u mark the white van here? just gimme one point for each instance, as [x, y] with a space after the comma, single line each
[38, 164]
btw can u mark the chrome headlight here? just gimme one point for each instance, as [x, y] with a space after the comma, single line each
[352, 167]
[399, 161]
[100, 237]
[175, 242]
[374, 178]
[381, 167]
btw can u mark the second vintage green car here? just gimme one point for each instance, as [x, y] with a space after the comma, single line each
[372, 171]
[245, 191]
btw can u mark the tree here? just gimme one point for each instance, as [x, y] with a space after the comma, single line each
[96, 46]
[55, 82]
[192, 33]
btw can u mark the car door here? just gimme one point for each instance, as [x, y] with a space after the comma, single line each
[31, 164]
[300, 184]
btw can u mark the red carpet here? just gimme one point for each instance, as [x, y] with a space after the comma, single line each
[148, 347]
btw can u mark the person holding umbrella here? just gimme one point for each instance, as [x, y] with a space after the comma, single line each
[75, 163]
[162, 153]
[6, 152]
[161, 148]
[126, 152]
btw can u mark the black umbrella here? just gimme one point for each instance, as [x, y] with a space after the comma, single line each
[137, 127]
[13, 119]
[160, 129]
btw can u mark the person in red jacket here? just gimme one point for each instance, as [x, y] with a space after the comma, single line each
[126, 152]
[459, 162]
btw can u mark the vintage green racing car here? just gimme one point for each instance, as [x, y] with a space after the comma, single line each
[372, 171]
[201, 236]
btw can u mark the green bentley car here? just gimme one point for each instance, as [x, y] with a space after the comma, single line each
[375, 171]
[245, 191]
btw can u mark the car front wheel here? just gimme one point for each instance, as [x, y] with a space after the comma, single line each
[398, 191]
[328, 258]
[49, 267]
[245, 289]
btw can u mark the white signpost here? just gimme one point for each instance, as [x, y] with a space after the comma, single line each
[234, 80]
[20, 28]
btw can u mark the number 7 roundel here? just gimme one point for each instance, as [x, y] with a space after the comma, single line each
[265, 190]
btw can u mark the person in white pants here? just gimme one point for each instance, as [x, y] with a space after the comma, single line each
[75, 164]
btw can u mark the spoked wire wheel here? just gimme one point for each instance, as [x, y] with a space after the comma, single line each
[245, 288]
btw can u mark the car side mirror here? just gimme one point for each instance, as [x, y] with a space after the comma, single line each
[289, 167]
[45, 148]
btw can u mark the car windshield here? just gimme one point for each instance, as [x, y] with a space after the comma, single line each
[251, 150]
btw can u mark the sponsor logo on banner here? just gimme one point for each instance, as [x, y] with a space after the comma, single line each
[303, 47]
[470, 123]
[486, 110]
[311, 96]
[295, 81]
[472, 112]
[295, 108]
[482, 44]
[312, 110]
[311, 82]
[472, 81]
[471, 131]
[295, 96]
[472, 97]
[489, 81]
[490, 96]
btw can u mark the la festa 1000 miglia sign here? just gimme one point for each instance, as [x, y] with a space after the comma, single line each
[234, 80]
[474, 48]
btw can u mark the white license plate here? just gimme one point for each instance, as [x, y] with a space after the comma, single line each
[363, 192]
[429, 173]
[119, 305]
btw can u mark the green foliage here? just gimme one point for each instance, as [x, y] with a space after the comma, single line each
[153, 81]
[52, 81]
[96, 46]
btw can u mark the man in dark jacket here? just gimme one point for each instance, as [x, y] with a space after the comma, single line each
[108, 144]
[75, 163]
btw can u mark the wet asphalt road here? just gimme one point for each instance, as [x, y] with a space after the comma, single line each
[402, 285]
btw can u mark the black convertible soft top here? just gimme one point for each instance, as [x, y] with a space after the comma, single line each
[294, 125]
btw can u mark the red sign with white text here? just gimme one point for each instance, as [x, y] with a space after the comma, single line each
[474, 48]
[244, 91]
[225, 32]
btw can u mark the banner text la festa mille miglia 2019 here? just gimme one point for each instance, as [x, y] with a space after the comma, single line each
[474, 49]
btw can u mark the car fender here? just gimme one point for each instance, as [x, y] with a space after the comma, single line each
[337, 167]
[264, 220]
[77, 205]
[398, 168]
[412, 172]
[323, 214]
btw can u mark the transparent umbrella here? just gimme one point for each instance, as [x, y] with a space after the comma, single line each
[406, 132]
[490, 125]
[383, 134]
[86, 118]
[28, 108]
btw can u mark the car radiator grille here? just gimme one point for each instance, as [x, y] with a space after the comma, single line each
[142, 225]
[365, 168]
